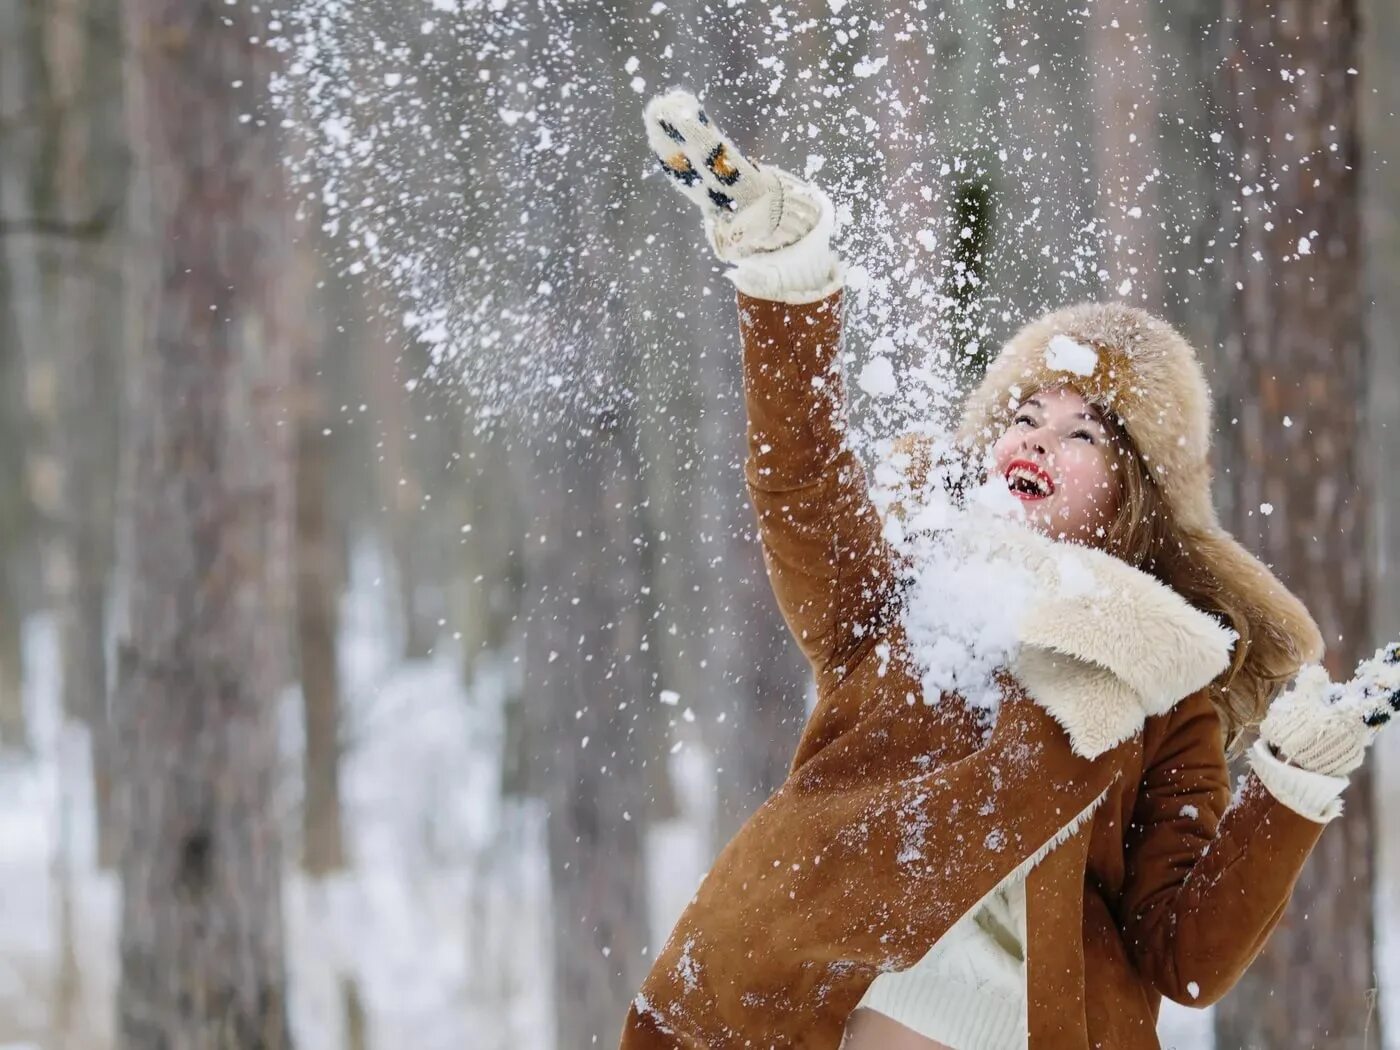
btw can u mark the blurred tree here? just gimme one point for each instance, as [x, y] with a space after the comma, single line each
[201, 924]
[1294, 364]
[22, 112]
[589, 685]
[16, 514]
[1129, 166]
[319, 579]
[84, 56]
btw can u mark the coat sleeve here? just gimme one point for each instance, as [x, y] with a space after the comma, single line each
[1206, 878]
[829, 564]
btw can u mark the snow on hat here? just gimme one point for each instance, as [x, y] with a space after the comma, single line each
[1141, 369]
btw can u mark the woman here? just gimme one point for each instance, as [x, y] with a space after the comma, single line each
[927, 876]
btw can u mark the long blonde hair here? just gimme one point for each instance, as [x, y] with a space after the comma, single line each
[1145, 534]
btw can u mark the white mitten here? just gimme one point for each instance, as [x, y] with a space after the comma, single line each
[771, 225]
[1324, 727]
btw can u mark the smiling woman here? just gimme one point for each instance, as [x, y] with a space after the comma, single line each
[1063, 464]
[931, 878]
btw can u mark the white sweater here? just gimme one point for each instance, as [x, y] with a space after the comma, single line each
[969, 991]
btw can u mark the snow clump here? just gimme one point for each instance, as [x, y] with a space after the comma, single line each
[1068, 355]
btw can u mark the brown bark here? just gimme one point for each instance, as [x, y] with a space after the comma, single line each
[19, 83]
[1125, 128]
[201, 927]
[318, 589]
[15, 517]
[400, 486]
[1295, 368]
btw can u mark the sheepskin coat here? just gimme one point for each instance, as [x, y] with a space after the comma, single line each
[1103, 781]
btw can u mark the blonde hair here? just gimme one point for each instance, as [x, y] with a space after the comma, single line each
[1145, 534]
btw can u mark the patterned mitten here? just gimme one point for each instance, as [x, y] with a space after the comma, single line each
[1324, 727]
[749, 210]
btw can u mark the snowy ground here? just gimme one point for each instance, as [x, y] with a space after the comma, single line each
[438, 936]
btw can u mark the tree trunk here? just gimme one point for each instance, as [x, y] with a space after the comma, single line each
[318, 588]
[85, 62]
[588, 685]
[1125, 112]
[201, 926]
[1295, 369]
[401, 489]
[15, 511]
[1380, 101]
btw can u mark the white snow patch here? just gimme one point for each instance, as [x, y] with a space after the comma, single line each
[868, 67]
[966, 596]
[877, 377]
[1068, 355]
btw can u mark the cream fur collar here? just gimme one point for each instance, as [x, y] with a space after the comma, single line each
[1103, 645]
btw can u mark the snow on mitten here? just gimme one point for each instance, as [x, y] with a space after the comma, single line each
[1324, 727]
[748, 209]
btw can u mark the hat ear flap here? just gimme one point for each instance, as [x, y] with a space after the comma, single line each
[1283, 634]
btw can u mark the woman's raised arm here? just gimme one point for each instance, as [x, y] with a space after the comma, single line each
[827, 558]
[823, 545]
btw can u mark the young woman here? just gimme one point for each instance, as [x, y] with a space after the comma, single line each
[923, 879]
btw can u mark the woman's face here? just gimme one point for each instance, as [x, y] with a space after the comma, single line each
[1057, 458]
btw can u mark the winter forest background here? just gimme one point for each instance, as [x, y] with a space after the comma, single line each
[385, 649]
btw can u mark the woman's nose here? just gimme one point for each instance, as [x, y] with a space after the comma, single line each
[1027, 442]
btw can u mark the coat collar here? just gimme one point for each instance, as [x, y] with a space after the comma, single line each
[1104, 646]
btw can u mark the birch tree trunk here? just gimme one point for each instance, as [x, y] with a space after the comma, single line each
[1293, 456]
[201, 926]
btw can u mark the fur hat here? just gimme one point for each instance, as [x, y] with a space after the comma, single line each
[1141, 369]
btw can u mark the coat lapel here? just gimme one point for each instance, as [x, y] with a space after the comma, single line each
[1104, 646]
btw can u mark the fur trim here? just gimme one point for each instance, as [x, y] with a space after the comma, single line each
[1134, 625]
[1104, 645]
[1150, 377]
[1096, 709]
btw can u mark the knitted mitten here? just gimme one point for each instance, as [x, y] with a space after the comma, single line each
[772, 225]
[1324, 727]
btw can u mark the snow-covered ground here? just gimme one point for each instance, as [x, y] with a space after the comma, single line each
[437, 935]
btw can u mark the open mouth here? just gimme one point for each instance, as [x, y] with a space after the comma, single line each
[1027, 481]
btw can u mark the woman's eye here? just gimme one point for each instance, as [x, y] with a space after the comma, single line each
[1084, 434]
[1025, 419]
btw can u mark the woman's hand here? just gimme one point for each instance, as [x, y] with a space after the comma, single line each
[771, 225]
[747, 208]
[1324, 727]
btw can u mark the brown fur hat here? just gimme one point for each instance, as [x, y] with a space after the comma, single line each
[1145, 373]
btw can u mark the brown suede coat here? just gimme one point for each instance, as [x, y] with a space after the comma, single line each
[896, 818]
